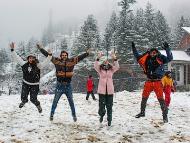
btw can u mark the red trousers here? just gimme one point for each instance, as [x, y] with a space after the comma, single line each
[167, 92]
[155, 86]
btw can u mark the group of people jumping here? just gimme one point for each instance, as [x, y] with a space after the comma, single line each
[152, 63]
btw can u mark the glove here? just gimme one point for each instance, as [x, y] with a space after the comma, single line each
[133, 45]
[165, 46]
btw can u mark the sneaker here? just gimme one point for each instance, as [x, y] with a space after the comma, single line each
[101, 119]
[39, 108]
[51, 118]
[21, 104]
[141, 114]
[74, 119]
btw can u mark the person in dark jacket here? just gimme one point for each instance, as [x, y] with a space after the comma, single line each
[31, 77]
[152, 63]
[64, 72]
[90, 87]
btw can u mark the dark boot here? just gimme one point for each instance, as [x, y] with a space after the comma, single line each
[164, 110]
[51, 118]
[101, 119]
[39, 108]
[74, 118]
[143, 106]
[21, 104]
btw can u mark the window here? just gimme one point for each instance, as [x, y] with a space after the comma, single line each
[177, 73]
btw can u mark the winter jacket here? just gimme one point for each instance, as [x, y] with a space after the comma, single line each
[64, 69]
[89, 85]
[167, 81]
[153, 67]
[105, 78]
[31, 72]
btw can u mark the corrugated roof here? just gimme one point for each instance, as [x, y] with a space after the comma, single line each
[178, 55]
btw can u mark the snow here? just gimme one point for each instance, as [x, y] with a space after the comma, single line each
[178, 55]
[187, 29]
[27, 125]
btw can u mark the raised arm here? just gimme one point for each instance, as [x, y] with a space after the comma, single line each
[135, 52]
[97, 66]
[80, 57]
[45, 62]
[15, 56]
[116, 66]
[116, 63]
[169, 57]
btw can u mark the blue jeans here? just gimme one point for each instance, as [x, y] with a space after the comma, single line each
[63, 88]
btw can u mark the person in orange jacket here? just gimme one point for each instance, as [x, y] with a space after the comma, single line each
[168, 87]
[90, 87]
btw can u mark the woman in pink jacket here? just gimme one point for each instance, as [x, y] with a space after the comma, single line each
[105, 86]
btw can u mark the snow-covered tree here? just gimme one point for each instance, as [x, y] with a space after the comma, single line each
[162, 30]
[179, 32]
[89, 35]
[110, 38]
[123, 31]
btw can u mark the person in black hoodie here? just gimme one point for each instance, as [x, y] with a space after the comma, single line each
[64, 72]
[31, 77]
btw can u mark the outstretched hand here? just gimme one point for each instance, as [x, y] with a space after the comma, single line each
[165, 45]
[100, 54]
[89, 50]
[12, 45]
[113, 55]
[39, 46]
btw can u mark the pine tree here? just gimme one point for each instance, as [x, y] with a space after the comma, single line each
[162, 30]
[89, 35]
[124, 27]
[88, 38]
[140, 38]
[109, 41]
[150, 24]
[179, 32]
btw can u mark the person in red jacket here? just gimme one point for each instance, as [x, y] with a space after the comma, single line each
[90, 87]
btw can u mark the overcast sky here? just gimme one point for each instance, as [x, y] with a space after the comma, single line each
[22, 19]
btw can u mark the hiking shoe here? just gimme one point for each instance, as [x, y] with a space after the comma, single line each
[141, 114]
[39, 108]
[51, 118]
[74, 119]
[21, 104]
[165, 118]
[109, 123]
[101, 119]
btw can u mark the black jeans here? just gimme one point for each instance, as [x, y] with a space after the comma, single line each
[105, 100]
[32, 90]
[88, 94]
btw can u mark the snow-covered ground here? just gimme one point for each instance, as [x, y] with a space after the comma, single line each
[26, 125]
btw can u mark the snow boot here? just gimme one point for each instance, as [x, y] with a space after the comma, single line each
[143, 106]
[109, 123]
[39, 108]
[74, 118]
[101, 119]
[164, 110]
[51, 118]
[21, 104]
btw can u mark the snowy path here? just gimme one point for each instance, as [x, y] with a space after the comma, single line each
[26, 125]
